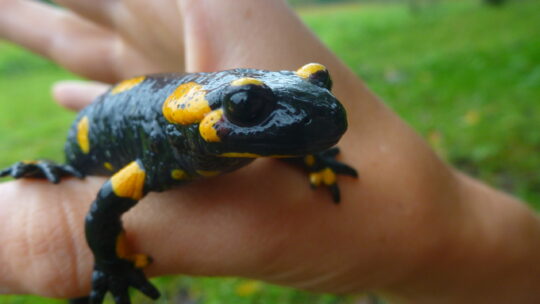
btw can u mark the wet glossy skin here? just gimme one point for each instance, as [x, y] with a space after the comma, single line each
[301, 118]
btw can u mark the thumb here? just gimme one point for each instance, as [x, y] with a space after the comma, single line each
[75, 94]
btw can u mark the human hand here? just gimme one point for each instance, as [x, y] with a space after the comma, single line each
[289, 237]
[410, 225]
[104, 41]
[101, 40]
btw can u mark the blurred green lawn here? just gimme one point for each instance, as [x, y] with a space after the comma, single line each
[466, 76]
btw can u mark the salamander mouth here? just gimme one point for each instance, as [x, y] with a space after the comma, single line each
[282, 150]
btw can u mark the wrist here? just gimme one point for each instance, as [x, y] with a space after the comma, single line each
[488, 252]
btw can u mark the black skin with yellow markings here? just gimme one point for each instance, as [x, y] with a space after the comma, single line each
[155, 132]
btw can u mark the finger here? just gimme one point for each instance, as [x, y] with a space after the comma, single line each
[18, 170]
[50, 172]
[74, 43]
[76, 95]
[58, 265]
[99, 287]
[69, 170]
[189, 230]
[121, 295]
[150, 30]
[97, 296]
[140, 282]
[5, 172]
[98, 11]
[336, 195]
[341, 168]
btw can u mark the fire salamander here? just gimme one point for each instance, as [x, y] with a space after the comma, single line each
[151, 133]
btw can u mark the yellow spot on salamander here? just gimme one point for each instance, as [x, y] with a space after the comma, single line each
[129, 181]
[207, 173]
[186, 105]
[108, 166]
[140, 260]
[315, 179]
[82, 135]
[329, 177]
[309, 69]
[179, 174]
[121, 245]
[206, 127]
[326, 176]
[309, 160]
[246, 81]
[127, 85]
[122, 250]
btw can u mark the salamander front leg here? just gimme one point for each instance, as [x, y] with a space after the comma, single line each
[323, 169]
[40, 169]
[115, 269]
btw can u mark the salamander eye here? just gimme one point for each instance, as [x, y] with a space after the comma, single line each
[248, 105]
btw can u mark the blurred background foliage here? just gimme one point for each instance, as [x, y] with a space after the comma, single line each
[465, 74]
[412, 3]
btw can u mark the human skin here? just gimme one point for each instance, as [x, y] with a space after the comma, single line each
[410, 227]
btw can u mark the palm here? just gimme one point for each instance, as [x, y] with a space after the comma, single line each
[104, 40]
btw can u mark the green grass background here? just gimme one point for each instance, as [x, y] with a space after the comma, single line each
[464, 75]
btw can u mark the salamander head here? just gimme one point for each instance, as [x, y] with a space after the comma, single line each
[261, 113]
